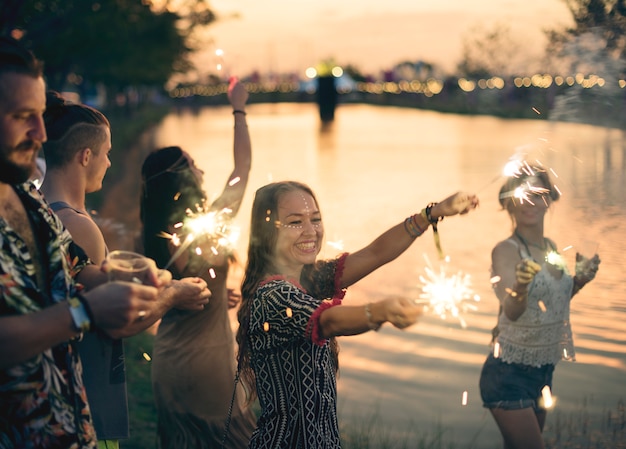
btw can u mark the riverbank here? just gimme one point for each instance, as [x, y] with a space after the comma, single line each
[418, 372]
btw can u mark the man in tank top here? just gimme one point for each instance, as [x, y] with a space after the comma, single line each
[77, 159]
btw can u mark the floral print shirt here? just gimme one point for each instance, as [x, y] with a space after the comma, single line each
[42, 400]
[294, 367]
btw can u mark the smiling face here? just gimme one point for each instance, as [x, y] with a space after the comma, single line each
[300, 232]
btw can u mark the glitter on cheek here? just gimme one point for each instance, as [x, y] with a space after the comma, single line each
[306, 203]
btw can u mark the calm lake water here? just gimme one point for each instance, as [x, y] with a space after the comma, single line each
[377, 165]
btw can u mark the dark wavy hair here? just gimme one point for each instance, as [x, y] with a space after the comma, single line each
[168, 189]
[15, 58]
[71, 127]
[259, 265]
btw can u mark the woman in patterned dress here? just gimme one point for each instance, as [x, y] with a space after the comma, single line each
[533, 331]
[291, 311]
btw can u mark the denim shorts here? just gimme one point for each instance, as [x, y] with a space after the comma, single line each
[513, 386]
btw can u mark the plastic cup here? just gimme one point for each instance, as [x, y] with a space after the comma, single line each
[129, 266]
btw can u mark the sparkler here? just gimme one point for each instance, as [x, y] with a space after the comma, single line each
[213, 227]
[447, 295]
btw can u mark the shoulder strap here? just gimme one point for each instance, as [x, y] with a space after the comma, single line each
[58, 205]
[522, 251]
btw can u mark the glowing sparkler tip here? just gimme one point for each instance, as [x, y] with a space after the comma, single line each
[546, 395]
[447, 295]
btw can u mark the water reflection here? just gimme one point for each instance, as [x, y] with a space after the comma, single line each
[374, 167]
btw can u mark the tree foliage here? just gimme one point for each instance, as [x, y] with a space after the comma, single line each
[604, 18]
[114, 42]
[488, 52]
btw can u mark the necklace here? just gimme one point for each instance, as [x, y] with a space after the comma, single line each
[527, 244]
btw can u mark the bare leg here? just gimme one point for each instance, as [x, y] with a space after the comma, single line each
[521, 429]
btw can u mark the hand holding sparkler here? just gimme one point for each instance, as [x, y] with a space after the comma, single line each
[458, 203]
[189, 293]
[400, 312]
[525, 272]
[586, 269]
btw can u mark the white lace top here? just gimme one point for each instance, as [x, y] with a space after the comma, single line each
[542, 334]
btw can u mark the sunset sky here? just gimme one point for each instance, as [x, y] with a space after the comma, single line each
[287, 35]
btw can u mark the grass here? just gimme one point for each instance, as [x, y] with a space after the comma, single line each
[578, 429]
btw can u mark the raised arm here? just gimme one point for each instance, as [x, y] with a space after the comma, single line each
[393, 242]
[234, 190]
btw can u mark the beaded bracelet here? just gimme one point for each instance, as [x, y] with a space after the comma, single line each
[239, 111]
[412, 228]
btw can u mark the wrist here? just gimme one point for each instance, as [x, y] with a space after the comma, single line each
[432, 214]
[518, 293]
[81, 314]
[238, 111]
[578, 282]
[371, 322]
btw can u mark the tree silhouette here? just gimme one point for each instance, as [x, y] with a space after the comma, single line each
[117, 43]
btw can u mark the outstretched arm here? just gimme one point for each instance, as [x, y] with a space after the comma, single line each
[242, 151]
[353, 320]
[397, 239]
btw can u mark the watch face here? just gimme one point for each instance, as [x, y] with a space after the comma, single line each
[79, 315]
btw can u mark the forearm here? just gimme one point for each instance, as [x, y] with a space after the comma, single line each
[242, 145]
[351, 320]
[25, 336]
[514, 302]
[92, 276]
[385, 248]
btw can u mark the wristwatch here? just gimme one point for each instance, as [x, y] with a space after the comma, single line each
[81, 320]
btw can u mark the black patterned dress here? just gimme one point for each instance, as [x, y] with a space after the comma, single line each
[295, 369]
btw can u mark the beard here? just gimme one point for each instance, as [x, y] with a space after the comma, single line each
[12, 173]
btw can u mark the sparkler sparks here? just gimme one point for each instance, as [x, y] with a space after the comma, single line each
[208, 228]
[447, 295]
[554, 258]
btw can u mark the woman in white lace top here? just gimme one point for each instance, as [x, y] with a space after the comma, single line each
[533, 332]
